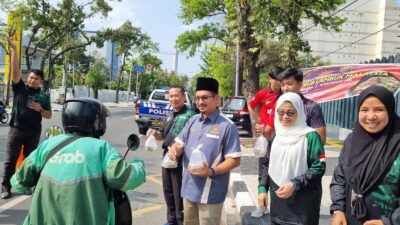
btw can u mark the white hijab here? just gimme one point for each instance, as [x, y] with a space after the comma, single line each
[288, 157]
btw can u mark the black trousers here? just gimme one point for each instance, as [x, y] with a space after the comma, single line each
[16, 138]
[172, 183]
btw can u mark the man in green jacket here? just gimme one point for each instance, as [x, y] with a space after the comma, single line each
[75, 185]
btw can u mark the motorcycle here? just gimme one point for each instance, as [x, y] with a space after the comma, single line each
[123, 211]
[3, 114]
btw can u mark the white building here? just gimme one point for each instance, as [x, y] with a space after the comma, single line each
[371, 31]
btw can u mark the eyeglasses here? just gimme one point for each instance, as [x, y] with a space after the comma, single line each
[288, 113]
[203, 98]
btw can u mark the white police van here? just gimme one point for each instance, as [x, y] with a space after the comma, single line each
[153, 112]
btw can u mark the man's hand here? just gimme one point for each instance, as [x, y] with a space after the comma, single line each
[175, 150]
[11, 42]
[263, 200]
[285, 191]
[35, 106]
[204, 172]
[259, 128]
[339, 219]
[150, 132]
[373, 222]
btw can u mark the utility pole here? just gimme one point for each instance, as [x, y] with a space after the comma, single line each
[237, 69]
[129, 83]
[137, 84]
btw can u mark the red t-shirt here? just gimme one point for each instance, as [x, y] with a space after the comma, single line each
[266, 100]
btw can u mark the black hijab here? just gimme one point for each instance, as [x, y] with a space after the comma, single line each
[369, 156]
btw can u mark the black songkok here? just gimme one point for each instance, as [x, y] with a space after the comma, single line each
[207, 84]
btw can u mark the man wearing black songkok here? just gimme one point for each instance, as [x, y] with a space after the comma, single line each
[204, 186]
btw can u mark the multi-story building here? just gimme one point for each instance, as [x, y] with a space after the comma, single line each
[371, 31]
[107, 52]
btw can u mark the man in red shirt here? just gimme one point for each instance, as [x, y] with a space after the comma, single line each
[265, 100]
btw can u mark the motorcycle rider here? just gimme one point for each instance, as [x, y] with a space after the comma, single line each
[75, 185]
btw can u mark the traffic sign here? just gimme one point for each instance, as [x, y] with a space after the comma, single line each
[138, 68]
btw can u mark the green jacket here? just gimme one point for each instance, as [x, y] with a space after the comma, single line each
[74, 187]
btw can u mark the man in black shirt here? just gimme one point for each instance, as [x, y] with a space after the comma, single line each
[172, 177]
[30, 104]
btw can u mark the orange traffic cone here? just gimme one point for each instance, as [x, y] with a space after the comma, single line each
[20, 158]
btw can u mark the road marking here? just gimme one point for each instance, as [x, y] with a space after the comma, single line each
[334, 143]
[155, 180]
[139, 212]
[13, 203]
[129, 117]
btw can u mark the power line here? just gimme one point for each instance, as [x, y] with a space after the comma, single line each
[361, 39]
[348, 5]
[169, 53]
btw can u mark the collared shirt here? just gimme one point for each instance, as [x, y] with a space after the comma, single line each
[220, 139]
[174, 124]
[315, 117]
[22, 116]
[266, 100]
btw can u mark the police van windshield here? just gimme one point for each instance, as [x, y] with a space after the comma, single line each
[163, 96]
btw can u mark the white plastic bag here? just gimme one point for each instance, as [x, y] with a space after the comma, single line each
[169, 163]
[151, 143]
[196, 159]
[260, 149]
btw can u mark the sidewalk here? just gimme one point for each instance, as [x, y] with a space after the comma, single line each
[244, 182]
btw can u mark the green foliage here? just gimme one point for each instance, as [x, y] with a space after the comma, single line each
[193, 39]
[255, 25]
[219, 63]
[96, 78]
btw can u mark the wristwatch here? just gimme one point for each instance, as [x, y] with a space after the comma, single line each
[41, 111]
[212, 172]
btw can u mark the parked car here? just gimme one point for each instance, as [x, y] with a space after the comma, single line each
[236, 110]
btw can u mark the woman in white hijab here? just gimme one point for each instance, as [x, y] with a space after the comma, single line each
[294, 166]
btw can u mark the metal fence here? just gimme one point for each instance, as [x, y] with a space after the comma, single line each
[343, 112]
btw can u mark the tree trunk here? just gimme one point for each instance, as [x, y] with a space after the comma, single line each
[117, 89]
[250, 58]
[65, 79]
[119, 78]
[96, 92]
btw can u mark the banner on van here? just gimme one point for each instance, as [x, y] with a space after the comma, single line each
[328, 83]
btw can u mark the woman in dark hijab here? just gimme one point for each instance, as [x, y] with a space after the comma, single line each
[365, 187]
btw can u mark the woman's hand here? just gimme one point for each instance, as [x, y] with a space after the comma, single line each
[263, 200]
[373, 222]
[285, 191]
[339, 219]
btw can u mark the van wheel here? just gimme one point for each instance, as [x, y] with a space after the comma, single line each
[143, 130]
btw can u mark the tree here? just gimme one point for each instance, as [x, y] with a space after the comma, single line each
[129, 38]
[96, 78]
[249, 23]
[219, 62]
[56, 28]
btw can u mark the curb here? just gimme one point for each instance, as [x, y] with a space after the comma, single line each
[244, 182]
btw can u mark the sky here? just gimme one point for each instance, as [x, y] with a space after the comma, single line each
[159, 19]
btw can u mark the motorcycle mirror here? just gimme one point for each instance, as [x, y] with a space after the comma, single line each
[133, 142]
[53, 131]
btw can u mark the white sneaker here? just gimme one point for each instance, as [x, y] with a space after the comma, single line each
[259, 212]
